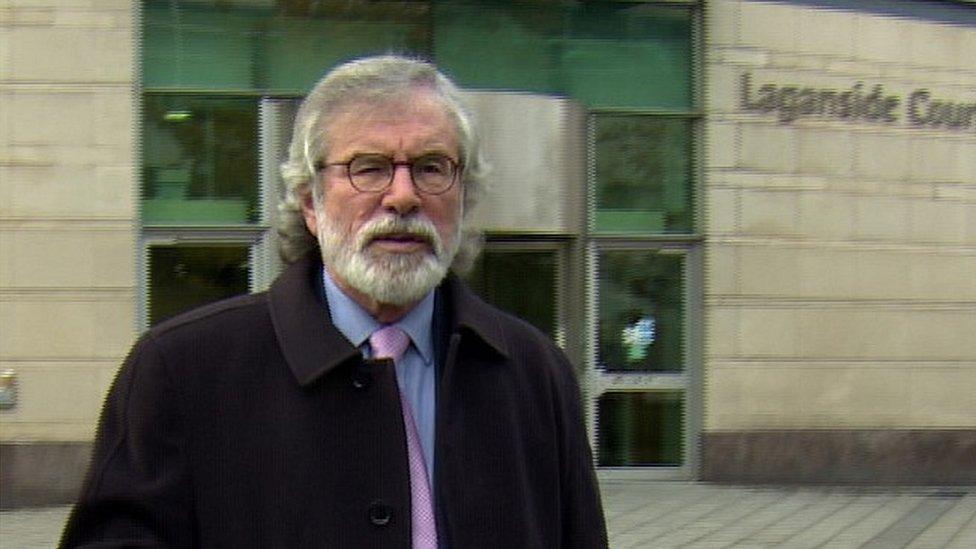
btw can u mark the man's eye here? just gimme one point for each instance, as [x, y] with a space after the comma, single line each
[368, 167]
[433, 166]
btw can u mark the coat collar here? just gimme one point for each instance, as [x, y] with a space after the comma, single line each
[312, 346]
[468, 311]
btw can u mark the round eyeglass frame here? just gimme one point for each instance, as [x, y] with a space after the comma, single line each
[456, 168]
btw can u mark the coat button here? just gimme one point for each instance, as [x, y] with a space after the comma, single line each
[380, 514]
[361, 380]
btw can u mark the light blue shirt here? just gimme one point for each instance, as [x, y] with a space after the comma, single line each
[414, 371]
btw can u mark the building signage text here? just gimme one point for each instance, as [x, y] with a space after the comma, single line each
[858, 103]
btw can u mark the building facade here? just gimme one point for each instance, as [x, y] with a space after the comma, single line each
[751, 224]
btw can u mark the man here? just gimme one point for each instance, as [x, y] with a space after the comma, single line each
[368, 399]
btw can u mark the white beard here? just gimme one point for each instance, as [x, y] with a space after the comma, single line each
[390, 278]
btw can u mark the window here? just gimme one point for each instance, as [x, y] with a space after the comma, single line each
[182, 277]
[641, 315]
[644, 174]
[522, 279]
[200, 160]
[608, 267]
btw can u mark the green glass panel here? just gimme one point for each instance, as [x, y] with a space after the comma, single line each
[603, 55]
[640, 428]
[184, 277]
[200, 160]
[644, 180]
[273, 47]
[522, 282]
[499, 46]
[629, 56]
[298, 51]
[197, 47]
[641, 322]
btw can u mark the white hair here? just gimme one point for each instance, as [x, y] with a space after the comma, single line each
[378, 80]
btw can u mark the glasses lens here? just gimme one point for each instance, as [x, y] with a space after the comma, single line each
[433, 173]
[370, 172]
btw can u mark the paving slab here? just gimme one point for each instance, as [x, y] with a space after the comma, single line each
[657, 514]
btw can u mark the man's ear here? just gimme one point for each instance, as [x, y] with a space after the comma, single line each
[308, 212]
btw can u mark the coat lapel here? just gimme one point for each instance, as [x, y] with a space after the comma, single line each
[310, 343]
[312, 346]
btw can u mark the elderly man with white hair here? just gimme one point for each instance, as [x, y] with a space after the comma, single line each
[368, 399]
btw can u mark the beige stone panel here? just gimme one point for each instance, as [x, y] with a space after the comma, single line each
[47, 392]
[721, 22]
[858, 396]
[769, 331]
[842, 274]
[748, 396]
[826, 274]
[885, 275]
[758, 180]
[69, 16]
[942, 396]
[743, 395]
[721, 331]
[768, 25]
[56, 431]
[967, 158]
[967, 42]
[769, 271]
[98, 118]
[881, 274]
[769, 213]
[73, 155]
[75, 4]
[723, 89]
[68, 54]
[826, 31]
[937, 45]
[941, 222]
[886, 39]
[100, 327]
[70, 257]
[770, 148]
[720, 145]
[829, 216]
[882, 218]
[740, 179]
[721, 270]
[877, 333]
[825, 152]
[850, 332]
[68, 191]
[721, 206]
[867, 332]
[935, 158]
[745, 56]
[943, 277]
[970, 224]
[881, 155]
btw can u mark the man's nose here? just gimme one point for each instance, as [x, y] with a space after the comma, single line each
[402, 195]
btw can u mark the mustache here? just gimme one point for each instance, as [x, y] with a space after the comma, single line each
[416, 227]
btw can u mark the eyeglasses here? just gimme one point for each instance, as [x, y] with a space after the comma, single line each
[373, 173]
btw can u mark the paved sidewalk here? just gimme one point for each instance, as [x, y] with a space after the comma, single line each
[699, 516]
[656, 514]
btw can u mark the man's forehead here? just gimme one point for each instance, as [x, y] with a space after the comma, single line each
[390, 107]
[425, 113]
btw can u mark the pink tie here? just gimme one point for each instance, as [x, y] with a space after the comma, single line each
[391, 342]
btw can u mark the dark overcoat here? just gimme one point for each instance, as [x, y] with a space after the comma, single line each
[254, 423]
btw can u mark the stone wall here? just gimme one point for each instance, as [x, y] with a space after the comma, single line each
[68, 216]
[840, 244]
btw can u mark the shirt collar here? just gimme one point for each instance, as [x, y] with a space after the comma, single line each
[354, 322]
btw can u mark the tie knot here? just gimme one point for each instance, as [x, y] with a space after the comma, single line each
[389, 342]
